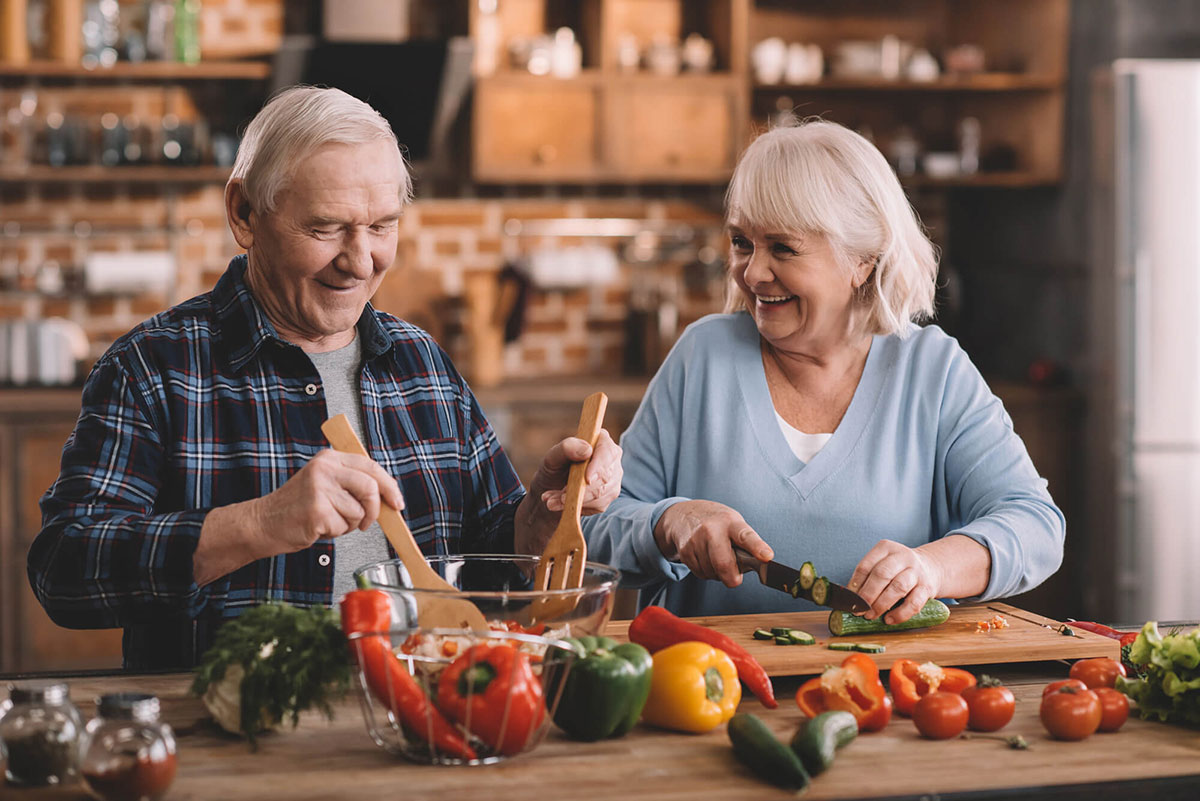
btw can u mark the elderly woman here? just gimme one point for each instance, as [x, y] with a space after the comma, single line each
[815, 421]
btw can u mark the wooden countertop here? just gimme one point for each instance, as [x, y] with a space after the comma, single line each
[329, 760]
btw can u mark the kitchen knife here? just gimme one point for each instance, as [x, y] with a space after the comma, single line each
[787, 579]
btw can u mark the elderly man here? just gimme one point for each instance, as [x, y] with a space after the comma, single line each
[197, 482]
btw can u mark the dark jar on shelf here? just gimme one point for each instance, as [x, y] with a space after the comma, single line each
[128, 754]
[40, 730]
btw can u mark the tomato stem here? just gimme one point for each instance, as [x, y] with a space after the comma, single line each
[1014, 741]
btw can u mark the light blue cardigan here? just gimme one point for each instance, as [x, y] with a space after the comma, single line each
[924, 450]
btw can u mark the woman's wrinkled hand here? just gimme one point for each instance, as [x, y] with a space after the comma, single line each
[892, 574]
[603, 476]
[701, 534]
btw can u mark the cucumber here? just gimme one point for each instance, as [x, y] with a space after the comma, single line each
[820, 589]
[869, 648]
[808, 574]
[763, 634]
[842, 624]
[799, 637]
[783, 639]
[779, 631]
[758, 749]
[817, 740]
[841, 646]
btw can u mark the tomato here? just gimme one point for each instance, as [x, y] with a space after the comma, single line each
[941, 715]
[1114, 708]
[1070, 713]
[991, 705]
[1098, 672]
[1055, 685]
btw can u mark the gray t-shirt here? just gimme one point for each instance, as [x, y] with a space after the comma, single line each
[339, 370]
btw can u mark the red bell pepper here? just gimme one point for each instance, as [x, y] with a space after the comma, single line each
[492, 691]
[1096, 628]
[656, 628]
[370, 611]
[854, 687]
[911, 682]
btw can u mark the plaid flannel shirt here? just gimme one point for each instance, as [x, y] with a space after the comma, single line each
[204, 405]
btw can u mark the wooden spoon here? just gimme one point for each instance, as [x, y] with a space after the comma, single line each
[433, 611]
[563, 560]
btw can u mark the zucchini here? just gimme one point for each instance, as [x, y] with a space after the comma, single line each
[779, 631]
[869, 648]
[783, 639]
[841, 646]
[763, 634]
[841, 624]
[820, 590]
[758, 749]
[808, 574]
[817, 740]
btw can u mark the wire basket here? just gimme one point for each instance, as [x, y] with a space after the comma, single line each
[456, 696]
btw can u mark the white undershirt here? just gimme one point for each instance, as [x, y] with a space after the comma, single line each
[805, 446]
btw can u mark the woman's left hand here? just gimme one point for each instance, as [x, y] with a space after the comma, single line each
[891, 573]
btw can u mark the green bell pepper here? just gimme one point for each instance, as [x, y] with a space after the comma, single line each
[605, 690]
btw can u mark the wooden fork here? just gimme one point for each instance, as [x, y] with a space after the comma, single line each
[433, 611]
[563, 560]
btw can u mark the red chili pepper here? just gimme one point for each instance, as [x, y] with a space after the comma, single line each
[656, 628]
[910, 682]
[366, 611]
[854, 687]
[1097, 628]
[491, 689]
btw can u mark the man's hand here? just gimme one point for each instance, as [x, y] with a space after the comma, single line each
[701, 534]
[540, 511]
[331, 495]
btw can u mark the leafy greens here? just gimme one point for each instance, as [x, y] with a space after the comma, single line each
[1169, 686]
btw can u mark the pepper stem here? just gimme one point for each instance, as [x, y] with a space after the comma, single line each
[475, 679]
[714, 685]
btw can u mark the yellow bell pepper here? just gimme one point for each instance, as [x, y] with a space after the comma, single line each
[694, 688]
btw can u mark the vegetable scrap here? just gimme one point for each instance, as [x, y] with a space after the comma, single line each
[997, 622]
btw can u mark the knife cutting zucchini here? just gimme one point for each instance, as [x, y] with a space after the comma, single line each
[842, 624]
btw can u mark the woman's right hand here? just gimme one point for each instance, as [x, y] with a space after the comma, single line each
[701, 534]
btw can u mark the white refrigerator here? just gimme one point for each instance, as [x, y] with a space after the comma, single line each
[1147, 224]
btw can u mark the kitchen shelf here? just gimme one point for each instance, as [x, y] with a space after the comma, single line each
[983, 82]
[1015, 179]
[96, 174]
[145, 70]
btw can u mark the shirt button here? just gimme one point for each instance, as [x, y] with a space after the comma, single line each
[323, 560]
[311, 389]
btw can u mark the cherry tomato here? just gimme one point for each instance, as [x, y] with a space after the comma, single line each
[941, 715]
[991, 705]
[1098, 672]
[1114, 708]
[1070, 713]
[1055, 685]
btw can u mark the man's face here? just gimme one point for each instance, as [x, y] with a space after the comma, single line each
[319, 257]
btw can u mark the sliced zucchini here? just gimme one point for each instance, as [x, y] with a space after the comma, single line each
[820, 590]
[841, 646]
[843, 624]
[783, 639]
[799, 637]
[779, 631]
[869, 647]
[763, 634]
[808, 574]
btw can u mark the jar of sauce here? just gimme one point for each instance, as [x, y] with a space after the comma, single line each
[39, 731]
[128, 754]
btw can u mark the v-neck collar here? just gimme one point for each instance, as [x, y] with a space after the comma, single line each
[752, 379]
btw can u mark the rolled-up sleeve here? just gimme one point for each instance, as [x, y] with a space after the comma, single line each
[104, 557]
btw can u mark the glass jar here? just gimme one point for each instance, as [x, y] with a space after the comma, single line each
[40, 730]
[128, 754]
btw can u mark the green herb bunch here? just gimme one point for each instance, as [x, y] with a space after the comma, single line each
[1169, 686]
[294, 659]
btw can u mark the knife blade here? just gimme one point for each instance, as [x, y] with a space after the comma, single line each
[779, 576]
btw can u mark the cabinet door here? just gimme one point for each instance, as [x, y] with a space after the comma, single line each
[41, 644]
[534, 129]
[668, 130]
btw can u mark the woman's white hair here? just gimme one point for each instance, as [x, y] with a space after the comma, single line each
[818, 177]
[294, 124]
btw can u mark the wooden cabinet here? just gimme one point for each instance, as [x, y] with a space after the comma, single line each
[34, 425]
[610, 123]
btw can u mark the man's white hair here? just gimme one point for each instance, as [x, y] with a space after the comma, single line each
[818, 177]
[293, 125]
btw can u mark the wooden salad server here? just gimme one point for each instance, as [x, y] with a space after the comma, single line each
[433, 611]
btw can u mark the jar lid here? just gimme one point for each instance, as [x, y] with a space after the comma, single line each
[142, 707]
[38, 692]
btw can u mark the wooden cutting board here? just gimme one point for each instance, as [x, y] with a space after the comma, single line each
[955, 642]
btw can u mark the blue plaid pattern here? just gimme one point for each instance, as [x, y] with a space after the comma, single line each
[204, 405]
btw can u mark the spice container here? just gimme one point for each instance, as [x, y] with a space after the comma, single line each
[40, 729]
[128, 754]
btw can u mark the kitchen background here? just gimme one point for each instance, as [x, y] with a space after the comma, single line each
[570, 160]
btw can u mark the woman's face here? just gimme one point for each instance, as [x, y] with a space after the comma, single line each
[800, 297]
